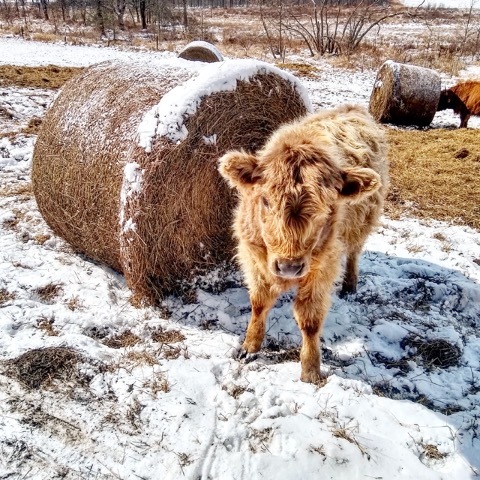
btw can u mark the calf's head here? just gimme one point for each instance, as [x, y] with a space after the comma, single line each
[292, 194]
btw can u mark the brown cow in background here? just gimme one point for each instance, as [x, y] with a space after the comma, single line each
[311, 194]
[463, 98]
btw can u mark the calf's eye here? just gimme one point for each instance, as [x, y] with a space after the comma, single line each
[265, 203]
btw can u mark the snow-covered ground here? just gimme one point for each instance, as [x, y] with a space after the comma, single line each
[402, 398]
[442, 3]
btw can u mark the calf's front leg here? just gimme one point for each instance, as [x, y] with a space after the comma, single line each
[310, 309]
[262, 300]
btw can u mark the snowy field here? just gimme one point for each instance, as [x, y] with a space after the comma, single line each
[442, 3]
[159, 393]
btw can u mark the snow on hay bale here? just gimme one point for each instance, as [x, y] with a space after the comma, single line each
[405, 94]
[125, 164]
[202, 52]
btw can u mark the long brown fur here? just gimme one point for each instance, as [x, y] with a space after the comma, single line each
[463, 98]
[313, 193]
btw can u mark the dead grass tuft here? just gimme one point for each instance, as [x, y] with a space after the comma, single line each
[348, 435]
[46, 324]
[236, 391]
[48, 293]
[320, 450]
[49, 76]
[74, 303]
[123, 340]
[169, 352]
[259, 440]
[140, 358]
[158, 384]
[428, 180]
[39, 367]
[278, 354]
[6, 296]
[432, 452]
[170, 336]
[41, 238]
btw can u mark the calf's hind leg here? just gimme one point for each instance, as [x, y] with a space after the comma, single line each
[350, 278]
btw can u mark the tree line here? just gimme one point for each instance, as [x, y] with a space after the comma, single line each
[113, 13]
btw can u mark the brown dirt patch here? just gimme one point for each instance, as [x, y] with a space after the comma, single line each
[429, 180]
[49, 76]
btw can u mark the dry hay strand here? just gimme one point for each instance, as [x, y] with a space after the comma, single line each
[199, 51]
[38, 367]
[428, 179]
[405, 94]
[49, 76]
[160, 215]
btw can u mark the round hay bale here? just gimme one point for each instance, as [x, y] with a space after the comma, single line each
[405, 94]
[201, 52]
[125, 164]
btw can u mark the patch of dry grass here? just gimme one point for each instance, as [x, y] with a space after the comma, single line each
[49, 76]
[300, 69]
[49, 292]
[10, 191]
[170, 336]
[38, 367]
[123, 340]
[432, 452]
[46, 324]
[41, 238]
[6, 296]
[429, 180]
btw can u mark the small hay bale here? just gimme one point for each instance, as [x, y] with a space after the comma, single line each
[405, 94]
[125, 164]
[201, 52]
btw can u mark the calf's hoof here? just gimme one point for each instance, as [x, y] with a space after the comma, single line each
[347, 289]
[245, 356]
[313, 376]
[251, 346]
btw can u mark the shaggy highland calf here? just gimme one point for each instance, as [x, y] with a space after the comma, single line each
[463, 98]
[313, 193]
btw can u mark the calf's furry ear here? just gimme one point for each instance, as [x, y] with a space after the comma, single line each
[239, 168]
[359, 183]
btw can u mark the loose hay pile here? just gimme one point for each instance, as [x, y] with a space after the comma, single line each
[201, 52]
[405, 94]
[38, 367]
[125, 165]
[434, 174]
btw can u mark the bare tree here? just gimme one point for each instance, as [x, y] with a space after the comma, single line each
[337, 26]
